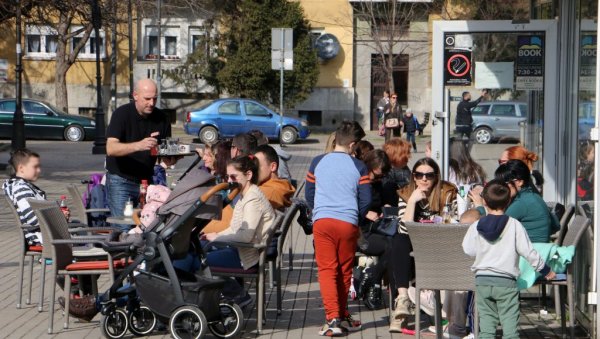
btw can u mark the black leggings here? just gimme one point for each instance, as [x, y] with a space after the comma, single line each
[401, 263]
[379, 246]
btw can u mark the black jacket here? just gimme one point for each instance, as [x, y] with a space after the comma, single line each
[463, 111]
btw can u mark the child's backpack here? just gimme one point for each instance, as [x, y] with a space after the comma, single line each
[95, 197]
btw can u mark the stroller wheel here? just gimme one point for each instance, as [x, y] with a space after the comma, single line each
[188, 322]
[231, 321]
[142, 321]
[114, 325]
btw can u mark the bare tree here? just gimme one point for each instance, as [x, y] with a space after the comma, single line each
[385, 25]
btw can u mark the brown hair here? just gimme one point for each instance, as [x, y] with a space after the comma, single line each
[521, 153]
[244, 164]
[398, 150]
[496, 195]
[20, 157]
[441, 192]
[348, 132]
[361, 148]
[330, 144]
[377, 159]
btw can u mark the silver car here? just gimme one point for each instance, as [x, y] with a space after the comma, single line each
[497, 120]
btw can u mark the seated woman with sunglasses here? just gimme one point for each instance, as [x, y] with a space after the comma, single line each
[527, 205]
[424, 197]
[252, 217]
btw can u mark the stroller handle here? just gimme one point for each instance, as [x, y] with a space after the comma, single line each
[234, 187]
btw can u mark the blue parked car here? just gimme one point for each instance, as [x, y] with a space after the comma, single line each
[224, 118]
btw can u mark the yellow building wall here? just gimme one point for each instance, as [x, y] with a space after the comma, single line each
[334, 17]
[82, 72]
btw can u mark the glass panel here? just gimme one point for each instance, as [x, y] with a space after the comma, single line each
[197, 42]
[34, 108]
[170, 45]
[33, 43]
[93, 45]
[504, 110]
[153, 45]
[8, 106]
[51, 43]
[230, 107]
[481, 109]
[74, 43]
[255, 109]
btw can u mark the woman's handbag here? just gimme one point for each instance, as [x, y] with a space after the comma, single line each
[392, 123]
[388, 225]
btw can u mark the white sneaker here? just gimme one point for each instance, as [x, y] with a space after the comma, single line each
[470, 336]
[427, 301]
[396, 324]
[402, 306]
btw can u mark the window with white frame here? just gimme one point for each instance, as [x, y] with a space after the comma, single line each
[89, 49]
[197, 39]
[169, 42]
[40, 41]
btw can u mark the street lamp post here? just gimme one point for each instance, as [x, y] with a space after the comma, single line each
[18, 137]
[100, 140]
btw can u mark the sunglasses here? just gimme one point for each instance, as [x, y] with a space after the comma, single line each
[232, 177]
[421, 175]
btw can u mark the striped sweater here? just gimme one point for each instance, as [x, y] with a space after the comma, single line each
[19, 190]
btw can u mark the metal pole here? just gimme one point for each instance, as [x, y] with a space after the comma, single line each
[594, 137]
[158, 77]
[130, 34]
[100, 141]
[281, 67]
[113, 59]
[18, 138]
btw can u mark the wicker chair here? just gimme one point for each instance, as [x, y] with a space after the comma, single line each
[257, 271]
[27, 251]
[275, 254]
[577, 228]
[78, 209]
[56, 232]
[440, 264]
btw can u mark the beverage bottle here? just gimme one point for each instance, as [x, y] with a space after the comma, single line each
[446, 216]
[63, 203]
[128, 211]
[143, 191]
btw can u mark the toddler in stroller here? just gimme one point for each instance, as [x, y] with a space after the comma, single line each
[190, 302]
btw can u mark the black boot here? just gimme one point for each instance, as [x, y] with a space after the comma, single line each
[365, 283]
[373, 300]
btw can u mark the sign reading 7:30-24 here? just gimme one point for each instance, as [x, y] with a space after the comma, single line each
[529, 66]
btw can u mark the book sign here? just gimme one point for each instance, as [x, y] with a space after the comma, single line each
[457, 64]
[529, 68]
[587, 62]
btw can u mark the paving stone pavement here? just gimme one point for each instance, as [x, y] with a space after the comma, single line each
[65, 162]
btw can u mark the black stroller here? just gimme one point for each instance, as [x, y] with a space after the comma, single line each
[189, 303]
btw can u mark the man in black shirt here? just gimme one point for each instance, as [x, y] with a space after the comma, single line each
[134, 130]
[464, 118]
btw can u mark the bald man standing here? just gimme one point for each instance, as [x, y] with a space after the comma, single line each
[134, 129]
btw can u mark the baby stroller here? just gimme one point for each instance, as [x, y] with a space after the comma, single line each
[190, 303]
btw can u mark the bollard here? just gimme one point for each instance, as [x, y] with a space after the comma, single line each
[522, 127]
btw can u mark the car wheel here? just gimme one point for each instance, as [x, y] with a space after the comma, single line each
[483, 135]
[289, 135]
[209, 135]
[74, 133]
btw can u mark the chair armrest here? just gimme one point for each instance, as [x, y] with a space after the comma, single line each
[81, 240]
[92, 229]
[97, 210]
[237, 244]
[77, 224]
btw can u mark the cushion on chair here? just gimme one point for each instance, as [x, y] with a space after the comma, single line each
[94, 265]
[35, 248]
[252, 270]
[88, 252]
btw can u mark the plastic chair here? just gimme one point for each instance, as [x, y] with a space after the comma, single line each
[26, 251]
[440, 264]
[56, 232]
[257, 271]
[78, 209]
[577, 228]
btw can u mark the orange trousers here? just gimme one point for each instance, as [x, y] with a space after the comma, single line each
[335, 247]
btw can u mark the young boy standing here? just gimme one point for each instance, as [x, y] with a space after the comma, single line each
[497, 241]
[339, 194]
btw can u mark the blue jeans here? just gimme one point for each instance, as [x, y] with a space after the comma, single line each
[227, 257]
[119, 190]
[410, 137]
